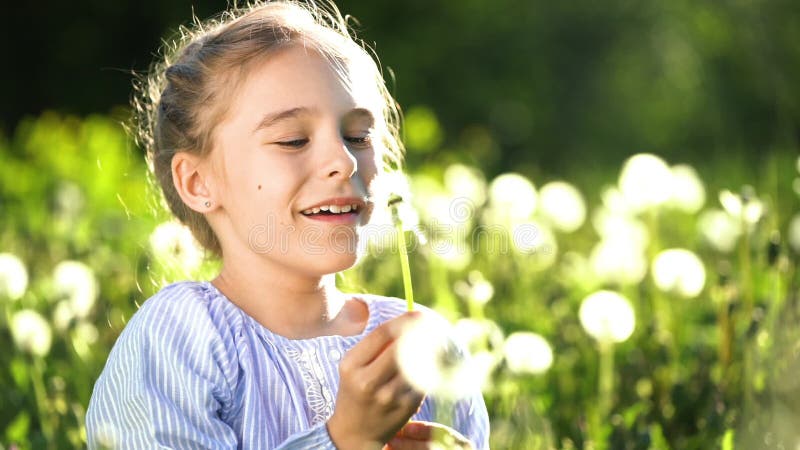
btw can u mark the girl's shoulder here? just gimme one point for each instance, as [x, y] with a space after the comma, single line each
[185, 307]
[387, 308]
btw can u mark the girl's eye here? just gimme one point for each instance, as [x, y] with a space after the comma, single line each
[359, 141]
[294, 143]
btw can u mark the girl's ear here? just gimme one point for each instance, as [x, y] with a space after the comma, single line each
[190, 183]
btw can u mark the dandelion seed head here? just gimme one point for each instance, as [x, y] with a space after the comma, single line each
[680, 271]
[13, 276]
[719, 229]
[173, 244]
[106, 435]
[76, 281]
[514, 195]
[562, 205]
[618, 260]
[742, 207]
[454, 255]
[461, 180]
[536, 240]
[478, 334]
[432, 360]
[607, 316]
[645, 181]
[62, 315]
[31, 332]
[687, 193]
[527, 352]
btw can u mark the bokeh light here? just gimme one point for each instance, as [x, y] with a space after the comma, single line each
[679, 271]
[13, 276]
[607, 316]
[31, 332]
[562, 206]
[527, 352]
[645, 181]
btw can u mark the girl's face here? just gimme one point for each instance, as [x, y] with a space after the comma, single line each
[295, 142]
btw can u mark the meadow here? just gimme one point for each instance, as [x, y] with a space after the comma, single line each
[646, 305]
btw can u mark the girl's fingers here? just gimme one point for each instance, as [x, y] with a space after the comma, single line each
[372, 346]
[417, 430]
[374, 377]
[397, 391]
[399, 443]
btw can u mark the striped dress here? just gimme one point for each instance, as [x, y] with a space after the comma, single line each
[192, 371]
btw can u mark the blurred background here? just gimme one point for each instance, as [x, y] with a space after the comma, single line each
[607, 199]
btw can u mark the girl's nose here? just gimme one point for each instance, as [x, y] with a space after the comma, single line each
[341, 161]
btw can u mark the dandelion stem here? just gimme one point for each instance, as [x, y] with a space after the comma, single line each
[403, 251]
[606, 379]
[37, 378]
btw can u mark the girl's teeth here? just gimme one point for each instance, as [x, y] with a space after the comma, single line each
[335, 209]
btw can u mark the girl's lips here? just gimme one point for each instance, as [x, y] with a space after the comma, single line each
[340, 218]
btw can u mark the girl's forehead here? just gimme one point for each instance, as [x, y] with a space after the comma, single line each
[301, 76]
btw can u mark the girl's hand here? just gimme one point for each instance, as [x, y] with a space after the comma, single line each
[428, 435]
[374, 399]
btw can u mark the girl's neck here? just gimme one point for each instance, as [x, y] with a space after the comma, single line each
[290, 304]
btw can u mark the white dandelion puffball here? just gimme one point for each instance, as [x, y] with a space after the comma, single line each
[794, 233]
[719, 229]
[607, 316]
[478, 334]
[612, 225]
[537, 241]
[63, 315]
[481, 291]
[645, 181]
[514, 195]
[680, 271]
[173, 243]
[13, 276]
[527, 352]
[619, 260]
[614, 202]
[31, 332]
[434, 362]
[461, 180]
[75, 281]
[688, 193]
[750, 211]
[562, 205]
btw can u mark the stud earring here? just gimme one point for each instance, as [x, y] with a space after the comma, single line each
[207, 204]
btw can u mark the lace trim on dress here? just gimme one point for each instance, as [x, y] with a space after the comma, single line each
[318, 393]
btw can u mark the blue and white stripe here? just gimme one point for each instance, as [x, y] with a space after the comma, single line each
[192, 371]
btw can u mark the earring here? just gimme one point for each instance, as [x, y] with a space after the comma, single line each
[207, 204]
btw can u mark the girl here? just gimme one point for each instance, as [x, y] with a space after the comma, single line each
[265, 132]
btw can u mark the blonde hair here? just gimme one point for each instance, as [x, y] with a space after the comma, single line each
[178, 103]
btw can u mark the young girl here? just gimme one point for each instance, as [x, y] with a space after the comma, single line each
[266, 131]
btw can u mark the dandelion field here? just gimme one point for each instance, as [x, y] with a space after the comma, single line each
[649, 305]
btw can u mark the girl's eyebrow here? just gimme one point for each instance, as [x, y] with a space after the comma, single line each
[271, 119]
[360, 113]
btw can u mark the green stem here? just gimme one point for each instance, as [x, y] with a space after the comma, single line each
[37, 378]
[401, 244]
[606, 379]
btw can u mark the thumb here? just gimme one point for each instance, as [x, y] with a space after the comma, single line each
[417, 430]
